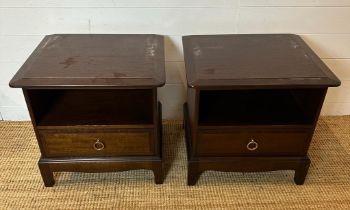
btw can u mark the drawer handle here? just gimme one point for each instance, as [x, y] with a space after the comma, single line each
[252, 145]
[98, 145]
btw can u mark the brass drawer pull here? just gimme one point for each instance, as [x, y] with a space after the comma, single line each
[252, 145]
[98, 145]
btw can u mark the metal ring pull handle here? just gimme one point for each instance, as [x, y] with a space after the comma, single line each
[98, 145]
[252, 145]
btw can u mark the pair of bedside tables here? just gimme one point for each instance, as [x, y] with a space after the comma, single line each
[252, 103]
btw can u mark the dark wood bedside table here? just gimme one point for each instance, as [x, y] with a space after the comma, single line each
[93, 102]
[253, 102]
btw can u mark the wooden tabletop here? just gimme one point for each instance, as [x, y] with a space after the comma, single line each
[243, 60]
[98, 60]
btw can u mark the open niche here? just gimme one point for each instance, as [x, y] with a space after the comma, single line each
[63, 107]
[259, 107]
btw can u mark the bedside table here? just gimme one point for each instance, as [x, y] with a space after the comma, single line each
[93, 102]
[253, 102]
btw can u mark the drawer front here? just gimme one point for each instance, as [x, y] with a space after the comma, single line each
[92, 143]
[253, 143]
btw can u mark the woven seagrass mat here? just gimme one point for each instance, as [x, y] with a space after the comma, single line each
[327, 185]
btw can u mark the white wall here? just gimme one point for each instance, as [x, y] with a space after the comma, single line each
[324, 24]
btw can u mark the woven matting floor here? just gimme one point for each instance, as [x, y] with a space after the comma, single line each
[327, 185]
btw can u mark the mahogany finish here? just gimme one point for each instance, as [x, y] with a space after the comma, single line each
[93, 102]
[219, 142]
[95, 60]
[268, 60]
[78, 143]
[253, 102]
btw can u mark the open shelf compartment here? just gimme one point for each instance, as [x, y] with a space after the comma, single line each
[259, 107]
[63, 107]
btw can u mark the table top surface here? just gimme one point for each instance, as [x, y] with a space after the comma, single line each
[253, 60]
[94, 60]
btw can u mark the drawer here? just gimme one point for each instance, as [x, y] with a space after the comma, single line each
[90, 143]
[253, 143]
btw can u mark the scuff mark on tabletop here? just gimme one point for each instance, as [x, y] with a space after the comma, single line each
[209, 71]
[197, 51]
[50, 39]
[68, 62]
[294, 44]
[47, 41]
[115, 74]
[152, 46]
